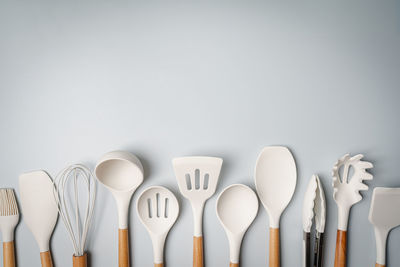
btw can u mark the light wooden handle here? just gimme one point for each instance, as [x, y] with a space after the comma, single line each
[158, 264]
[379, 265]
[79, 261]
[8, 254]
[341, 250]
[198, 251]
[233, 264]
[123, 248]
[45, 258]
[274, 254]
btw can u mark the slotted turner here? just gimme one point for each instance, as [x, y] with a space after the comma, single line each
[158, 210]
[197, 180]
[384, 215]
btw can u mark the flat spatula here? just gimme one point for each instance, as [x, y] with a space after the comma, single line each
[197, 180]
[39, 210]
[384, 215]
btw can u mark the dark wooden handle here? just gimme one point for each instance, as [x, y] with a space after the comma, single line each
[45, 258]
[198, 251]
[341, 249]
[233, 264]
[123, 248]
[79, 261]
[8, 254]
[274, 253]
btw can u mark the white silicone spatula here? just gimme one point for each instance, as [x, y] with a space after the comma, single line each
[384, 215]
[158, 210]
[275, 177]
[237, 207]
[121, 172]
[39, 210]
[197, 180]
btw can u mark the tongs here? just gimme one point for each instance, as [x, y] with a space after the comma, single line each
[314, 208]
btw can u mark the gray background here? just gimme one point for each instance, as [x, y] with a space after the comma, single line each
[224, 78]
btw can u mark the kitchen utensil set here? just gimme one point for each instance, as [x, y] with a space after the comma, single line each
[314, 208]
[197, 177]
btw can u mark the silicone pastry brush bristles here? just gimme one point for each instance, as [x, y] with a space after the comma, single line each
[8, 203]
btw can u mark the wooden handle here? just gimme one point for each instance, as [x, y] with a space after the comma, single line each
[123, 248]
[233, 264]
[79, 261]
[158, 264]
[198, 251]
[340, 253]
[379, 265]
[274, 254]
[8, 254]
[45, 258]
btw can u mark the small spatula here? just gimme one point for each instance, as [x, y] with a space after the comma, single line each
[39, 210]
[384, 215]
[197, 180]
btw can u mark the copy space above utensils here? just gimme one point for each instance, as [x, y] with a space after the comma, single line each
[81, 177]
[158, 210]
[121, 172]
[9, 217]
[384, 215]
[348, 175]
[39, 210]
[314, 207]
[237, 207]
[275, 178]
[197, 180]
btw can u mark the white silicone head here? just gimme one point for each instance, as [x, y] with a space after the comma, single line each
[158, 210]
[237, 207]
[121, 172]
[275, 178]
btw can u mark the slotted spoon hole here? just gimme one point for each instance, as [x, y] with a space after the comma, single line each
[166, 208]
[149, 208]
[158, 207]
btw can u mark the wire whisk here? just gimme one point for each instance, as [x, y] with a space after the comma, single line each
[70, 211]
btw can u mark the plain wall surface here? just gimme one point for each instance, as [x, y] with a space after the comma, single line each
[168, 78]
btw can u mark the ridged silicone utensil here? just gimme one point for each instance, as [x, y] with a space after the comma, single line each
[348, 175]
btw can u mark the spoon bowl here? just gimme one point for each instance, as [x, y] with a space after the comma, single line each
[237, 207]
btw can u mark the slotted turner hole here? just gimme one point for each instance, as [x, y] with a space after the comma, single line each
[197, 179]
[206, 178]
[188, 182]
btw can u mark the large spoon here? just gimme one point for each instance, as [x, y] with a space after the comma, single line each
[275, 178]
[237, 207]
[121, 172]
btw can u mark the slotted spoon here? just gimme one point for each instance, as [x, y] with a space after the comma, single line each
[197, 180]
[158, 210]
